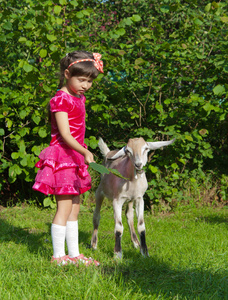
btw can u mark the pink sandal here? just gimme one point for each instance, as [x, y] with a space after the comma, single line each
[86, 261]
[61, 261]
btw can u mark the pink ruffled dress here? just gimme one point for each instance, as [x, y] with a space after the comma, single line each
[62, 170]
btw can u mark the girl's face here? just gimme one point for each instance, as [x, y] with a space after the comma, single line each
[77, 85]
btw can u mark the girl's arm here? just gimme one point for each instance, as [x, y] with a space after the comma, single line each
[64, 130]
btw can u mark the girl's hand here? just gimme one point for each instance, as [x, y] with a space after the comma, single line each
[88, 157]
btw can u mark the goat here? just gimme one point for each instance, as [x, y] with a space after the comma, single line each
[129, 161]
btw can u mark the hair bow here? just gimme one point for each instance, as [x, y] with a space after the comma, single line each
[97, 62]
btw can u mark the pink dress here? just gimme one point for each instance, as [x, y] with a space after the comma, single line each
[62, 170]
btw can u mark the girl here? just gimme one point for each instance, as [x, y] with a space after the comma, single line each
[63, 165]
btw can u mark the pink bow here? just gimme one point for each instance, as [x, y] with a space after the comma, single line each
[98, 63]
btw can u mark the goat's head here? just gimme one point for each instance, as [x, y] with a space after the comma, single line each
[137, 150]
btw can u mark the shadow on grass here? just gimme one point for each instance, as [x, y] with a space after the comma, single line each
[32, 238]
[18, 235]
[216, 220]
[152, 276]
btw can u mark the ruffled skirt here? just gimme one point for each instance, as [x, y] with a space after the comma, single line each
[62, 171]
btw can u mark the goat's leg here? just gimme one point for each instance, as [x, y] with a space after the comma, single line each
[96, 217]
[130, 220]
[141, 226]
[117, 207]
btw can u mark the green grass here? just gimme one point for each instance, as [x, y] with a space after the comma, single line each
[188, 257]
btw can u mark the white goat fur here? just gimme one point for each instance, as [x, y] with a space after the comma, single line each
[129, 161]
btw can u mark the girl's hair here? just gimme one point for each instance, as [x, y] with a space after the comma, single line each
[85, 68]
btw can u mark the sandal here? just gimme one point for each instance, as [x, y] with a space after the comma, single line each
[86, 261]
[61, 261]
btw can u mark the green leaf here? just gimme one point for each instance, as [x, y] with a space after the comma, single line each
[28, 68]
[121, 31]
[198, 22]
[117, 173]
[224, 19]
[43, 53]
[219, 90]
[36, 150]
[14, 170]
[174, 166]
[222, 117]
[29, 25]
[175, 175]
[51, 37]
[99, 168]
[47, 88]
[127, 21]
[36, 119]
[15, 155]
[208, 7]
[189, 138]
[136, 18]
[74, 3]
[103, 170]
[86, 12]
[23, 114]
[2, 131]
[57, 9]
[23, 162]
[165, 9]
[208, 107]
[183, 161]
[22, 39]
[139, 61]
[42, 132]
[7, 26]
[48, 202]
[79, 15]
[153, 169]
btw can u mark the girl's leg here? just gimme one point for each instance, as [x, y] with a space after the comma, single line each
[72, 228]
[64, 209]
[58, 228]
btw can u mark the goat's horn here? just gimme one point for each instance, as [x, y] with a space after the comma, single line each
[157, 145]
[118, 154]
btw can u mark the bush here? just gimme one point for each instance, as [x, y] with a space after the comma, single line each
[165, 76]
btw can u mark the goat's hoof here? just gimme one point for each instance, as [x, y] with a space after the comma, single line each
[118, 255]
[136, 245]
[144, 253]
[94, 247]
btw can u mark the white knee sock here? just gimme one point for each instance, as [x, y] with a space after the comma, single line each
[72, 238]
[58, 234]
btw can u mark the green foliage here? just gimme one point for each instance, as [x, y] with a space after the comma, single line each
[166, 65]
[103, 170]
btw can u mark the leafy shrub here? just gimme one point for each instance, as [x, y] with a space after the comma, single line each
[165, 76]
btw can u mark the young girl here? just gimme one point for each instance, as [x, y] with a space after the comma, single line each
[63, 165]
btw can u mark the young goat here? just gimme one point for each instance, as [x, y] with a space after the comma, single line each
[129, 161]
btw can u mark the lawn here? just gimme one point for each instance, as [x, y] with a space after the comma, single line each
[188, 257]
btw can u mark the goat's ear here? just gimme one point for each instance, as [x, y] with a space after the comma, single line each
[118, 154]
[157, 145]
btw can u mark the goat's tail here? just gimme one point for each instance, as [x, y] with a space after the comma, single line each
[103, 147]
